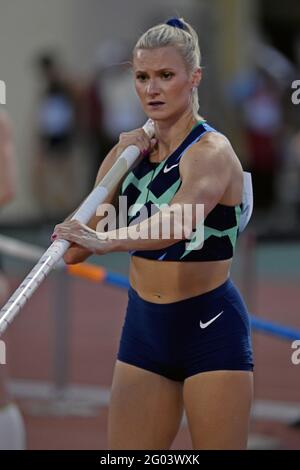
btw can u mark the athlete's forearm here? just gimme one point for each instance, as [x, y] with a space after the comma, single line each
[162, 230]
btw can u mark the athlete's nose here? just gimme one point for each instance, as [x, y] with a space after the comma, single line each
[152, 88]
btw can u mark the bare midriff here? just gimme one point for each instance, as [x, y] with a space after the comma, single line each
[170, 281]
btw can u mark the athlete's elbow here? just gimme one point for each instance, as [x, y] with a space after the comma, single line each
[76, 255]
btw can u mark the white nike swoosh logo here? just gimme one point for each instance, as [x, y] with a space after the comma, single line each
[166, 169]
[206, 324]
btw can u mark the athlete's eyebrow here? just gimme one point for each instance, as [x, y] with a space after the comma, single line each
[165, 69]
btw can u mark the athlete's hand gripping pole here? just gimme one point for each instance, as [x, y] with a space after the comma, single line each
[58, 248]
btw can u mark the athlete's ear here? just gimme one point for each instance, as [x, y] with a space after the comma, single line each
[196, 77]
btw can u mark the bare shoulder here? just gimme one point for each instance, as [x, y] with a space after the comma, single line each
[213, 151]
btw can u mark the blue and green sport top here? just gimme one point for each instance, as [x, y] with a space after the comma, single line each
[156, 183]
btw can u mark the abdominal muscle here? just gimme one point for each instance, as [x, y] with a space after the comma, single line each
[170, 281]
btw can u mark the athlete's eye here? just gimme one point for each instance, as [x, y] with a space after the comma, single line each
[167, 75]
[141, 77]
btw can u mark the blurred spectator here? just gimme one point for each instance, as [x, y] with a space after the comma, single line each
[260, 94]
[57, 126]
[12, 433]
[292, 187]
[263, 126]
[112, 105]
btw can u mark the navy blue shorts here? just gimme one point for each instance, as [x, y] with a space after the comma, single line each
[180, 339]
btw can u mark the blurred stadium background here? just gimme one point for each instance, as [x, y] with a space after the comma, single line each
[61, 348]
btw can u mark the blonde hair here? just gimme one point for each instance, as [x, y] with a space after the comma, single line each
[180, 34]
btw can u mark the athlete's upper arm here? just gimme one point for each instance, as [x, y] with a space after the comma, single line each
[106, 165]
[205, 171]
[112, 197]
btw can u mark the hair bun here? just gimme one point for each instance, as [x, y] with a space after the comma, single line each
[176, 23]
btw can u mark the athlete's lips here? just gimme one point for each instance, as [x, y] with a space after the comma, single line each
[155, 103]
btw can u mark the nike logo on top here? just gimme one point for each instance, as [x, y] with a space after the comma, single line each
[206, 324]
[166, 169]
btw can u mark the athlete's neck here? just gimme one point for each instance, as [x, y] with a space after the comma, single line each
[172, 132]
